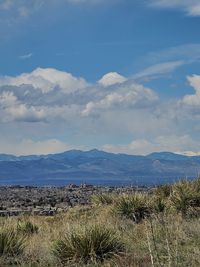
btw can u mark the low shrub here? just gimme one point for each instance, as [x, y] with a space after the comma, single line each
[91, 244]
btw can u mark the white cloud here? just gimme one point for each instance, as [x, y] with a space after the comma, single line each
[185, 54]
[125, 96]
[111, 78]
[11, 109]
[46, 80]
[189, 153]
[194, 10]
[173, 143]
[7, 99]
[194, 99]
[191, 7]
[95, 112]
[31, 147]
[49, 94]
[26, 56]
[160, 68]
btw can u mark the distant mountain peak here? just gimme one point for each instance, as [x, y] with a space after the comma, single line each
[98, 167]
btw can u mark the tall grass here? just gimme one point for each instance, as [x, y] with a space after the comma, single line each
[27, 227]
[11, 243]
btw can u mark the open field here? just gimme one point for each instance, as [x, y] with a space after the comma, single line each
[155, 228]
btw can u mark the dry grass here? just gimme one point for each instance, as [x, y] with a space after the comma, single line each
[166, 237]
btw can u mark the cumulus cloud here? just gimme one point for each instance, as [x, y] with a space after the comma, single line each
[11, 109]
[48, 94]
[46, 100]
[125, 96]
[46, 80]
[191, 7]
[111, 78]
[194, 99]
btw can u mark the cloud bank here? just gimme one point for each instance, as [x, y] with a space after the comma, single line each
[116, 113]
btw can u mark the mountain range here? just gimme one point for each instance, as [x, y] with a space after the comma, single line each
[96, 167]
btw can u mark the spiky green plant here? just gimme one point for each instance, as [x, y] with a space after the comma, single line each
[163, 191]
[27, 227]
[197, 184]
[102, 199]
[89, 244]
[185, 197]
[158, 204]
[135, 207]
[11, 243]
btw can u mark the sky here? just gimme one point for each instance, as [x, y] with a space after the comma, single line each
[118, 75]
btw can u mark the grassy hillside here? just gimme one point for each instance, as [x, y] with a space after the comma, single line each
[158, 228]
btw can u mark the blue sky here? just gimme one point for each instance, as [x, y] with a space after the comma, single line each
[118, 75]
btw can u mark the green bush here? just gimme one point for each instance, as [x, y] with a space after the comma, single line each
[135, 207]
[11, 243]
[88, 245]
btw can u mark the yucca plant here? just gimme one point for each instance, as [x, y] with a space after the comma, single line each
[102, 199]
[185, 197]
[197, 184]
[163, 191]
[135, 207]
[158, 204]
[90, 244]
[27, 227]
[11, 243]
